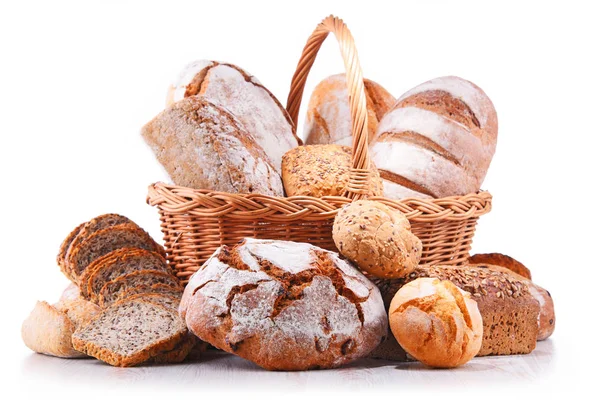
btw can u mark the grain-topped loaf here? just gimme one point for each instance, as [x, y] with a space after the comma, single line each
[284, 306]
[204, 146]
[106, 240]
[130, 333]
[227, 85]
[508, 309]
[118, 263]
[113, 290]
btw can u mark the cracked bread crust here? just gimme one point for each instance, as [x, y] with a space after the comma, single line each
[508, 309]
[376, 238]
[284, 306]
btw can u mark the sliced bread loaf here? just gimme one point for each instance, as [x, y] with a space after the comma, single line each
[106, 240]
[62, 252]
[168, 301]
[179, 353]
[158, 288]
[112, 291]
[130, 333]
[118, 263]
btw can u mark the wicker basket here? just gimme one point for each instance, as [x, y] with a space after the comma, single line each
[196, 222]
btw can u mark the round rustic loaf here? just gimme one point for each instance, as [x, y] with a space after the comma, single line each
[328, 119]
[203, 146]
[436, 322]
[322, 170]
[259, 111]
[284, 306]
[377, 239]
[437, 141]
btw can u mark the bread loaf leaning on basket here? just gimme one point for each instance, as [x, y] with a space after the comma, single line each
[196, 222]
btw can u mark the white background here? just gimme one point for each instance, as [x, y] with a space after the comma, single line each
[78, 81]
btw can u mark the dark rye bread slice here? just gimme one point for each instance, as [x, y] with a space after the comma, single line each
[130, 333]
[118, 263]
[62, 252]
[112, 291]
[106, 240]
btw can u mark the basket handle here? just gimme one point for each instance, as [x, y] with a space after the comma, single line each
[360, 174]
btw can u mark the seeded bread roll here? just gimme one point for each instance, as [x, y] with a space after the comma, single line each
[203, 146]
[284, 306]
[118, 263]
[377, 239]
[508, 309]
[113, 290]
[229, 86]
[438, 140]
[436, 322]
[328, 119]
[130, 333]
[322, 170]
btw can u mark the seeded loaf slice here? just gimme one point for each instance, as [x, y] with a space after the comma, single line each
[158, 288]
[118, 263]
[165, 300]
[111, 291]
[106, 240]
[62, 252]
[181, 351]
[130, 333]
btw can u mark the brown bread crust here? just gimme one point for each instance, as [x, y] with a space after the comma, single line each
[508, 309]
[284, 306]
[500, 260]
[62, 252]
[322, 170]
[111, 291]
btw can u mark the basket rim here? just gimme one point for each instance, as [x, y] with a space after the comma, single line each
[204, 203]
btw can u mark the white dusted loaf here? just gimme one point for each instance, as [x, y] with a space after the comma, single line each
[203, 146]
[229, 86]
[438, 140]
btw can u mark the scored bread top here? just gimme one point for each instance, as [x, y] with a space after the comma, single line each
[117, 263]
[106, 240]
[259, 111]
[204, 146]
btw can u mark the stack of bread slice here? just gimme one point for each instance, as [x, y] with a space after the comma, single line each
[119, 269]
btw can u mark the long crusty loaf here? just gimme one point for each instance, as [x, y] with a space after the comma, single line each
[508, 309]
[130, 333]
[118, 263]
[106, 240]
[112, 290]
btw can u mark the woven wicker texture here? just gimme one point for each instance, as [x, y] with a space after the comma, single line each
[196, 222]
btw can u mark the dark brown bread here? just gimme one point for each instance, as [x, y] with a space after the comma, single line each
[106, 240]
[508, 309]
[181, 351]
[168, 301]
[130, 333]
[118, 263]
[64, 248]
[500, 260]
[284, 306]
[111, 291]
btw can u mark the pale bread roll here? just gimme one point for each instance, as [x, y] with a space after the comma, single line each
[437, 141]
[229, 86]
[328, 119]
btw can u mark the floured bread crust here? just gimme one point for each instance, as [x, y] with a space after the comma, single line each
[284, 306]
[204, 146]
[328, 119]
[259, 111]
[437, 141]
